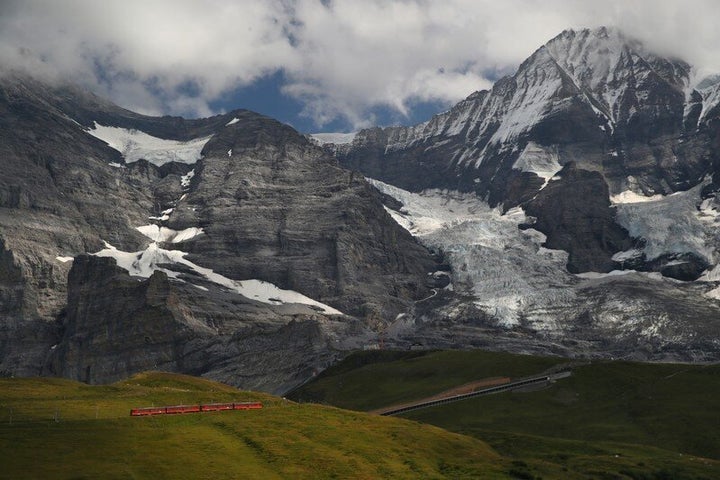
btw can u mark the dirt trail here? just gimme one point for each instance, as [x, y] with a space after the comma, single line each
[459, 390]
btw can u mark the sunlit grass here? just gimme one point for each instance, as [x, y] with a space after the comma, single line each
[93, 436]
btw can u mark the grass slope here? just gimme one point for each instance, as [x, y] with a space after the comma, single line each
[52, 428]
[616, 419]
[373, 379]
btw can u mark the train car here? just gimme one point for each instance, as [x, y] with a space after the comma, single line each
[247, 406]
[215, 407]
[141, 412]
[182, 409]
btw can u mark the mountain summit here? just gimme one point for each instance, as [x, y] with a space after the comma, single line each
[596, 100]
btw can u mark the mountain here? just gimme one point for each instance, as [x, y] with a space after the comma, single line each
[575, 200]
[595, 102]
[230, 247]
[570, 210]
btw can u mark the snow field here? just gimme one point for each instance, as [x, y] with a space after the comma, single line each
[144, 263]
[504, 267]
[335, 138]
[135, 145]
[163, 234]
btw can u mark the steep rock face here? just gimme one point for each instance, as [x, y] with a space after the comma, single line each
[278, 210]
[24, 341]
[135, 325]
[274, 206]
[110, 335]
[58, 197]
[595, 98]
[575, 214]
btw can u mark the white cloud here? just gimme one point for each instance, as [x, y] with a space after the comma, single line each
[341, 58]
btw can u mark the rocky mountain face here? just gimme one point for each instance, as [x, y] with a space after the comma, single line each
[569, 210]
[274, 206]
[115, 326]
[229, 247]
[593, 98]
[575, 203]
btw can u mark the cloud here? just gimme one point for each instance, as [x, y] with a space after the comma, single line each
[170, 49]
[343, 59]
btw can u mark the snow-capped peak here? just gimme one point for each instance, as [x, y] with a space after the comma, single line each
[605, 63]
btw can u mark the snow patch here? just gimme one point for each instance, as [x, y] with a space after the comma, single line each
[145, 262]
[185, 179]
[628, 196]
[64, 259]
[542, 161]
[714, 293]
[232, 122]
[614, 273]
[164, 234]
[135, 145]
[627, 255]
[335, 138]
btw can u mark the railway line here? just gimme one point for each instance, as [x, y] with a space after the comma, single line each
[516, 385]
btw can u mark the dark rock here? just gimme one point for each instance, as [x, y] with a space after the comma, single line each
[278, 208]
[684, 266]
[117, 325]
[575, 214]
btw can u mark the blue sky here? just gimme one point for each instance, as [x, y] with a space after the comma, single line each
[319, 65]
[266, 96]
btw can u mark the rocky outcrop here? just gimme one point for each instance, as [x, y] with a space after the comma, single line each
[575, 214]
[271, 206]
[276, 207]
[117, 325]
[24, 340]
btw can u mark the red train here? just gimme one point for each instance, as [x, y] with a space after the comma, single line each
[208, 407]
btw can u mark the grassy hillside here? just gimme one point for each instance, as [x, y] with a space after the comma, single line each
[51, 428]
[373, 379]
[629, 417]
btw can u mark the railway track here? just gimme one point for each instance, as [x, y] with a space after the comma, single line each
[518, 384]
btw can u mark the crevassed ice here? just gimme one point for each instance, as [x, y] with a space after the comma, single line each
[505, 268]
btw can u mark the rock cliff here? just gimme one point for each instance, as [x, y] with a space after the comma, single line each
[263, 205]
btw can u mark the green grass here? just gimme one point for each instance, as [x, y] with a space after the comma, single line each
[374, 379]
[674, 407]
[283, 440]
[608, 420]
[66, 430]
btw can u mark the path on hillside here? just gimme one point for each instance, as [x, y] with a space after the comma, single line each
[493, 385]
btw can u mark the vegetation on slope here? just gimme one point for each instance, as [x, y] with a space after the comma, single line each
[626, 420]
[373, 379]
[52, 428]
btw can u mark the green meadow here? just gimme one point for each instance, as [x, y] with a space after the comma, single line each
[607, 420]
